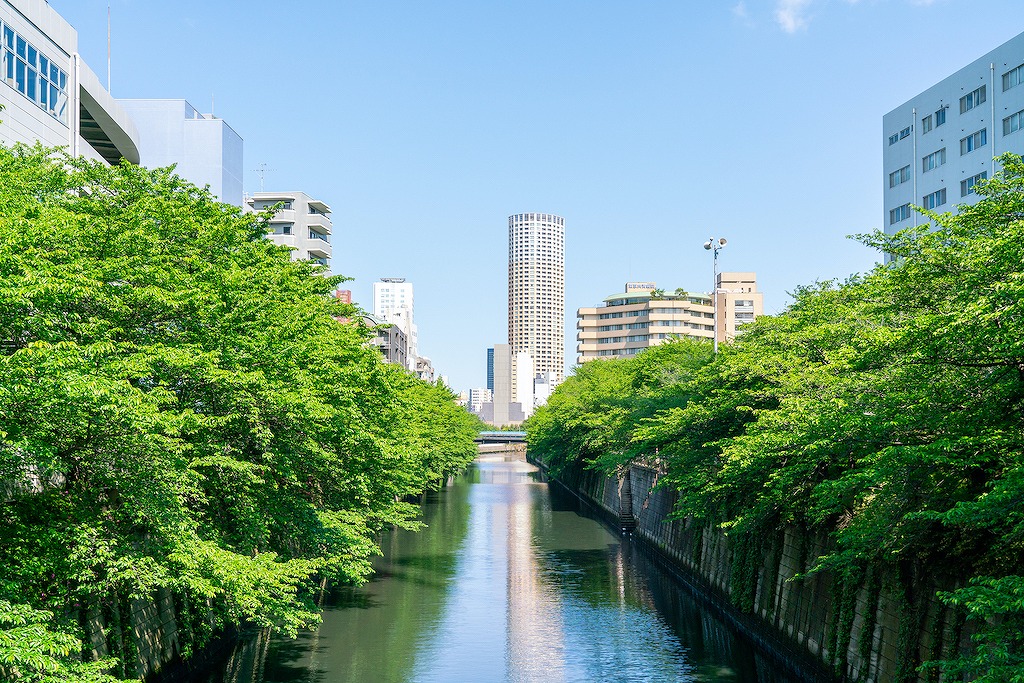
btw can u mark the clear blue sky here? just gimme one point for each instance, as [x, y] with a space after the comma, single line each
[649, 126]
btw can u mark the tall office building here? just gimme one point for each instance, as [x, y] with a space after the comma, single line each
[536, 289]
[204, 148]
[50, 95]
[490, 369]
[302, 223]
[938, 144]
[393, 301]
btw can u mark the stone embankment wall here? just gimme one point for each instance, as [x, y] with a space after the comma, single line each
[142, 633]
[876, 628]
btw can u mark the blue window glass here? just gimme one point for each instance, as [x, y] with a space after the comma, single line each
[44, 66]
[9, 38]
[19, 76]
[54, 71]
[30, 84]
[9, 64]
[22, 47]
[32, 55]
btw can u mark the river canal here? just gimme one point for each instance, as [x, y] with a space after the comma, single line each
[510, 581]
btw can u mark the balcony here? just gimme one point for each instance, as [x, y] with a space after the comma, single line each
[319, 221]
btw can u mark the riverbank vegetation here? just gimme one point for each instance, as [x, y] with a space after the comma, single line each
[884, 411]
[182, 412]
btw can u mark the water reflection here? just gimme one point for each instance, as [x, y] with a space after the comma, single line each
[509, 582]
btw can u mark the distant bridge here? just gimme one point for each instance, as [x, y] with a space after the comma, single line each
[501, 437]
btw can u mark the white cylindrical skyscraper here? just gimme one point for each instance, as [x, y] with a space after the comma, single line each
[536, 289]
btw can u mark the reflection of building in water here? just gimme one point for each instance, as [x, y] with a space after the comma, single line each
[535, 632]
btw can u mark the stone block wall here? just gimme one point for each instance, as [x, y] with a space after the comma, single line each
[142, 632]
[881, 639]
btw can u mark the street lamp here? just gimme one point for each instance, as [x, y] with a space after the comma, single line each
[715, 245]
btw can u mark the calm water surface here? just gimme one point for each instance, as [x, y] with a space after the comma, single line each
[509, 582]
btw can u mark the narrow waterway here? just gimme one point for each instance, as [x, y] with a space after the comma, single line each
[510, 581]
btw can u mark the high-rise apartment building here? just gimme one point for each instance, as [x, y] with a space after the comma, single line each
[206, 151]
[393, 301]
[50, 95]
[301, 222]
[536, 289]
[644, 316]
[938, 144]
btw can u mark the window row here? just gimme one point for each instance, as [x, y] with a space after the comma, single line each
[899, 177]
[972, 100]
[900, 213]
[1012, 77]
[896, 137]
[1011, 124]
[28, 71]
[937, 198]
[939, 118]
[933, 160]
[967, 186]
[973, 141]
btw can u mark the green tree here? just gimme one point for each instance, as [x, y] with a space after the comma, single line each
[181, 409]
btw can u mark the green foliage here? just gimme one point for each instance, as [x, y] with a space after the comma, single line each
[32, 650]
[180, 408]
[884, 411]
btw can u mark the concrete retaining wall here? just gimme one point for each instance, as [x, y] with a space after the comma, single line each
[882, 639]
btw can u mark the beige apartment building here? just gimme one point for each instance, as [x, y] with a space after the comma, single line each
[645, 316]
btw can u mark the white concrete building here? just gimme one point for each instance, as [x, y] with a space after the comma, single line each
[522, 387]
[204, 149]
[50, 95]
[543, 384]
[393, 301]
[478, 397]
[302, 223]
[941, 142]
[536, 289]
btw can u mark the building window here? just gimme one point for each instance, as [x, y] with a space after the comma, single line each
[894, 138]
[940, 116]
[967, 186]
[973, 142]
[933, 160]
[899, 177]
[29, 72]
[900, 213]
[972, 100]
[905, 133]
[937, 198]
[926, 124]
[1011, 124]
[1012, 77]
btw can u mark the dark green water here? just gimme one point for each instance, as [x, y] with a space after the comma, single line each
[509, 582]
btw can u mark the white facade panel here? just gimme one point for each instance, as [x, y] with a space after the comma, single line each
[939, 142]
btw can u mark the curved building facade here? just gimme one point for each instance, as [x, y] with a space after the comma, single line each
[536, 290]
[50, 95]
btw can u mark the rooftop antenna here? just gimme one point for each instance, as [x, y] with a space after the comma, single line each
[261, 171]
[213, 101]
[108, 47]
